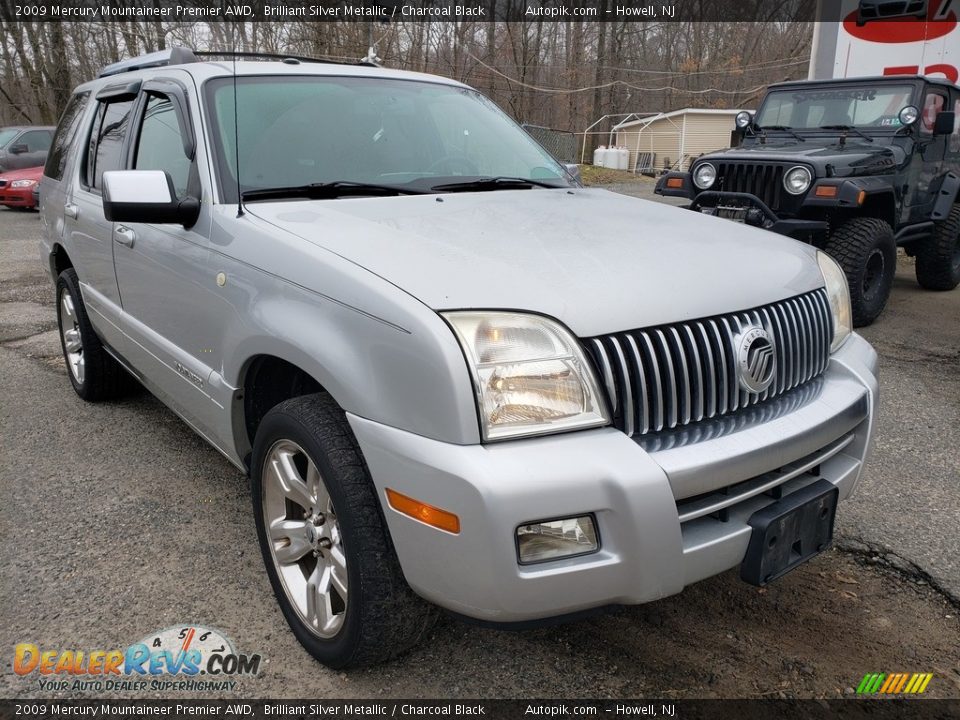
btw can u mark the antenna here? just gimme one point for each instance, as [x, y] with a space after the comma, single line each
[236, 124]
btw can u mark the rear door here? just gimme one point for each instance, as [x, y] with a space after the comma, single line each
[90, 233]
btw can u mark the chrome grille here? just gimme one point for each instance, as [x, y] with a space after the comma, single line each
[671, 376]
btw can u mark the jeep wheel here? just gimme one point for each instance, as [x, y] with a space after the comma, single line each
[94, 374]
[324, 540]
[938, 258]
[867, 252]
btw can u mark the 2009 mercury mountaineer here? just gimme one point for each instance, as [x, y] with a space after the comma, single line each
[455, 377]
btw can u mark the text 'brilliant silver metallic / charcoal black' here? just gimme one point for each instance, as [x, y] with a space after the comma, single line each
[665, 377]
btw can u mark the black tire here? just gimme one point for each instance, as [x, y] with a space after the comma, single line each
[102, 377]
[938, 258]
[383, 616]
[864, 247]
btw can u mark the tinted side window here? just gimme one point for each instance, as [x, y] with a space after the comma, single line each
[106, 141]
[932, 106]
[35, 140]
[160, 146]
[66, 132]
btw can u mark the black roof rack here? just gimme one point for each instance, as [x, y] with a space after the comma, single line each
[185, 56]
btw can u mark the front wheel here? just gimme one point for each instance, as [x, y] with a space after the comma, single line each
[938, 259]
[866, 250]
[324, 540]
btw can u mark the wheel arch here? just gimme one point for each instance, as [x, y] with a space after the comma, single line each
[59, 260]
[266, 380]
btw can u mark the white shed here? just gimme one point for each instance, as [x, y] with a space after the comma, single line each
[675, 138]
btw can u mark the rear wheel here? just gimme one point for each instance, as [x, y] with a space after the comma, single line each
[94, 374]
[324, 539]
[938, 258]
[867, 252]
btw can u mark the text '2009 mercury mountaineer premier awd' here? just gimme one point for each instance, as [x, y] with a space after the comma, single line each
[455, 377]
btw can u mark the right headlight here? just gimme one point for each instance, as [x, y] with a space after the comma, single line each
[838, 293]
[797, 180]
[704, 176]
[529, 373]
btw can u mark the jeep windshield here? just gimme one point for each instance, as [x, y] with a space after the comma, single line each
[835, 108]
[365, 136]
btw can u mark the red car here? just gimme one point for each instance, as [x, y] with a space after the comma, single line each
[17, 187]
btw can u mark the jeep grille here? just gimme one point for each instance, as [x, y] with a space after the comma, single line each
[670, 376]
[763, 180]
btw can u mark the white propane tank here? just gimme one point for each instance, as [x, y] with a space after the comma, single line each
[623, 158]
[601, 156]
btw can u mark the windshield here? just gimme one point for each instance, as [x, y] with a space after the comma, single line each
[6, 135]
[860, 107]
[303, 130]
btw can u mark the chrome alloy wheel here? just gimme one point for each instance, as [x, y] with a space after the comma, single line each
[72, 341]
[304, 535]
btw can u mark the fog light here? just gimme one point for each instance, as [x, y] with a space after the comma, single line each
[555, 539]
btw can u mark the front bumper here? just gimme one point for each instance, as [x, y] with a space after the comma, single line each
[639, 492]
[17, 197]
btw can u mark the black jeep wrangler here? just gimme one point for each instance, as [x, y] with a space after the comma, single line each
[855, 167]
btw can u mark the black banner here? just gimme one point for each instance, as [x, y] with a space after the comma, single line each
[416, 10]
[852, 709]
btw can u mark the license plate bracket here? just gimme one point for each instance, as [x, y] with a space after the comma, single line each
[790, 532]
[732, 212]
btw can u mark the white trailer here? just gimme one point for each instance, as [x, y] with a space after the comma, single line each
[847, 42]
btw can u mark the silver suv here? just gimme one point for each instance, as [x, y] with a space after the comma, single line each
[455, 377]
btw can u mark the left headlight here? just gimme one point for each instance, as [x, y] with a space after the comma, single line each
[838, 293]
[530, 374]
[23, 183]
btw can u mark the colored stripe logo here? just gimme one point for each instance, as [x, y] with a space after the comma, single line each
[894, 683]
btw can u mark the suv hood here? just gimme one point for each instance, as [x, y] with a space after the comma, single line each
[597, 261]
[856, 157]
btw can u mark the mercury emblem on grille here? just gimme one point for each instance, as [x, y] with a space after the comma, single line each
[756, 359]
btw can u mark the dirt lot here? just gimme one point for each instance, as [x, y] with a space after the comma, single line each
[119, 521]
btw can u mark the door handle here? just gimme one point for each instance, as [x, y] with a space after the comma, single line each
[124, 235]
[71, 211]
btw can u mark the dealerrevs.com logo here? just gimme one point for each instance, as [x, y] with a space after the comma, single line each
[186, 657]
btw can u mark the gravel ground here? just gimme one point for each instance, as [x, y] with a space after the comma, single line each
[119, 521]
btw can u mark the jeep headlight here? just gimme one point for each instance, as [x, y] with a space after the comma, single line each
[704, 176]
[797, 180]
[838, 293]
[529, 373]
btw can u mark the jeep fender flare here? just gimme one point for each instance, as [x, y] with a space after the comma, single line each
[947, 195]
[874, 195]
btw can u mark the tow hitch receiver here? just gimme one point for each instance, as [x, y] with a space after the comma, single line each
[790, 532]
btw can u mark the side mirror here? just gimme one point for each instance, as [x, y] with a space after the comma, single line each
[868, 10]
[146, 196]
[573, 170]
[945, 123]
[19, 149]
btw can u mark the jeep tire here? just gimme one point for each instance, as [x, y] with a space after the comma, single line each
[865, 249]
[324, 539]
[938, 258]
[93, 372]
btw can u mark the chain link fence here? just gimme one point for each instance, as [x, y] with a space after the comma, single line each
[562, 144]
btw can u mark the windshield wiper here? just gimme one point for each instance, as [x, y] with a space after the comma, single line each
[494, 183]
[848, 128]
[326, 190]
[786, 129]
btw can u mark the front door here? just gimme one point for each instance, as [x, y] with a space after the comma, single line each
[162, 273]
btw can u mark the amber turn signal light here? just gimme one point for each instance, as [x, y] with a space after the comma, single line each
[427, 514]
[674, 182]
[827, 191]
